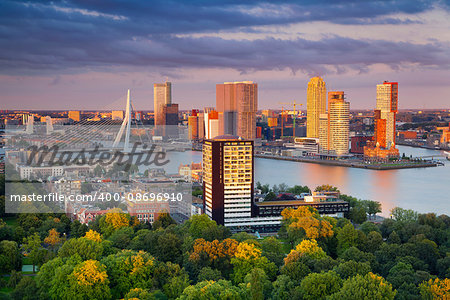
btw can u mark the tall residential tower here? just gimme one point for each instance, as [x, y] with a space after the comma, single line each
[228, 179]
[315, 105]
[387, 105]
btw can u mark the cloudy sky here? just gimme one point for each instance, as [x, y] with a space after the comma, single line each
[85, 54]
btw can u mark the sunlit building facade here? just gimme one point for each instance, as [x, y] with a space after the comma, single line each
[387, 104]
[228, 179]
[334, 126]
[315, 105]
[383, 145]
[162, 95]
[236, 104]
[75, 115]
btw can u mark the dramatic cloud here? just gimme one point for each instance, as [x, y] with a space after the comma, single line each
[41, 36]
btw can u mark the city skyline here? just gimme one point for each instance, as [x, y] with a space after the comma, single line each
[53, 59]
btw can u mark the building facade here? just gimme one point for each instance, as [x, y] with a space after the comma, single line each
[315, 105]
[387, 105]
[237, 103]
[228, 179]
[383, 145]
[162, 95]
[74, 115]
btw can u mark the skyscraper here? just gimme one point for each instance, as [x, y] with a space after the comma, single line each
[162, 95]
[387, 104]
[315, 105]
[170, 115]
[196, 125]
[383, 145]
[338, 118]
[75, 115]
[228, 179]
[237, 103]
[334, 126]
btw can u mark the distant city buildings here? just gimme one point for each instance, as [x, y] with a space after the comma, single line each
[236, 104]
[445, 138]
[315, 105]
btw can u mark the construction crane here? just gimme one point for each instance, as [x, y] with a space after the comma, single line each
[294, 105]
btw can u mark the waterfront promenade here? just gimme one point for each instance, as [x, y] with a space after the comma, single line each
[352, 163]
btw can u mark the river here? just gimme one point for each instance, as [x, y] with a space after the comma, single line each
[422, 189]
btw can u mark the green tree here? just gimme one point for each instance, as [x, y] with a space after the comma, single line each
[401, 274]
[14, 279]
[248, 257]
[368, 227]
[371, 207]
[122, 237]
[296, 271]
[199, 224]
[207, 290]
[347, 237]
[351, 268]
[282, 288]
[10, 257]
[404, 215]
[208, 273]
[374, 241]
[320, 285]
[258, 283]
[33, 247]
[176, 285]
[83, 247]
[369, 286]
[26, 289]
[358, 214]
[129, 269]
[270, 196]
[168, 247]
[326, 188]
[164, 220]
[298, 189]
[272, 248]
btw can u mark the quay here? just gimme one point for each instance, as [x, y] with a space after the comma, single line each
[355, 163]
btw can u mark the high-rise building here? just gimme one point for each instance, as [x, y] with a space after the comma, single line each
[162, 95]
[228, 179]
[334, 125]
[383, 145]
[337, 129]
[237, 103]
[324, 132]
[74, 115]
[315, 105]
[387, 104]
[117, 115]
[193, 125]
[170, 115]
[211, 121]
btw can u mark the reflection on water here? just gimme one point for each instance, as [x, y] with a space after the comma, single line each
[383, 185]
[423, 190]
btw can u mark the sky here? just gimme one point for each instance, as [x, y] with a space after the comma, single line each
[85, 54]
